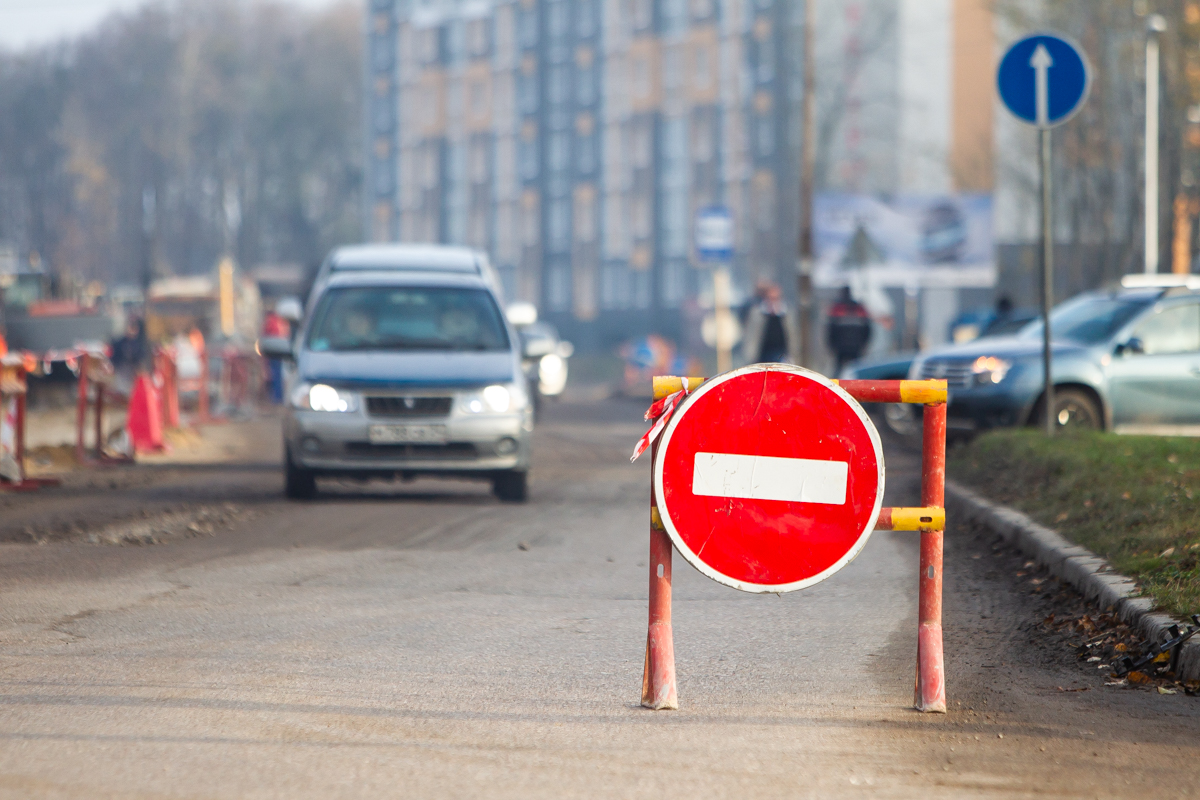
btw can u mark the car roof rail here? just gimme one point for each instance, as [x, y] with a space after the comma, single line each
[1160, 281]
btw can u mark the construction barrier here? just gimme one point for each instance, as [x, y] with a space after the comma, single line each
[659, 689]
[14, 386]
[96, 376]
[166, 382]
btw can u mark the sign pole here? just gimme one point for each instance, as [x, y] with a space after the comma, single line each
[721, 292]
[1047, 279]
[1043, 80]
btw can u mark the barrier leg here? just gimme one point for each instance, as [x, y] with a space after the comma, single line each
[930, 694]
[202, 408]
[99, 421]
[658, 675]
[81, 405]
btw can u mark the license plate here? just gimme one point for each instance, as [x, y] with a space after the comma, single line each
[407, 434]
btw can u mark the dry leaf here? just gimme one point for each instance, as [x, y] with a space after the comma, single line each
[1137, 677]
[1162, 658]
[1165, 690]
[1170, 551]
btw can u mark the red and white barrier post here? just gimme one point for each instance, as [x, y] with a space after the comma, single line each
[659, 691]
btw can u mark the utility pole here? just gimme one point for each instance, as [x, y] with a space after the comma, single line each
[807, 158]
[1155, 26]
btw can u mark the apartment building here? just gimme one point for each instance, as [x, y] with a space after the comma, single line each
[574, 140]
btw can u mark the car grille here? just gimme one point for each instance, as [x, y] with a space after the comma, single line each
[408, 406]
[453, 450]
[957, 374]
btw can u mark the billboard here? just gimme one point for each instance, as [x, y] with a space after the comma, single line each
[903, 240]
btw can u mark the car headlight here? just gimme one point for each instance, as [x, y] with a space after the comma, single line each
[989, 369]
[495, 399]
[323, 397]
[552, 374]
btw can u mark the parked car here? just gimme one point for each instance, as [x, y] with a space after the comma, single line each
[1128, 356]
[545, 353]
[404, 372]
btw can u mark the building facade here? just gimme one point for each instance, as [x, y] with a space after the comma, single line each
[575, 140]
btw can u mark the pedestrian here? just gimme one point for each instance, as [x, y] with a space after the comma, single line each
[849, 329]
[276, 326]
[771, 327]
[129, 354]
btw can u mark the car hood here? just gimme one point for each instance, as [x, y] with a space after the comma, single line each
[408, 369]
[1007, 347]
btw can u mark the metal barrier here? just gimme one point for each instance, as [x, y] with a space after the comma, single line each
[658, 676]
[14, 385]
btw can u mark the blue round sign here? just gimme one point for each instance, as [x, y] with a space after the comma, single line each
[1043, 79]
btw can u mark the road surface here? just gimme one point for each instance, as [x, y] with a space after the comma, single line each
[425, 640]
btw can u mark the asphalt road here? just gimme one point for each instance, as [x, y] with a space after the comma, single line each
[427, 641]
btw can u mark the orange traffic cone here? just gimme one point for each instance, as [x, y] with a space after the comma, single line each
[144, 421]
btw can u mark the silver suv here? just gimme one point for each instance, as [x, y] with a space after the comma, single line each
[403, 372]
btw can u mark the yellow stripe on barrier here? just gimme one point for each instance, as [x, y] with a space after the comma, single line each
[918, 519]
[923, 392]
[656, 519]
[669, 384]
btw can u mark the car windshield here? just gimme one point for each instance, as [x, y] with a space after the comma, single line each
[1090, 319]
[407, 318]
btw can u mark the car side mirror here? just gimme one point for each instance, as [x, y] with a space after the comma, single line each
[1132, 346]
[275, 347]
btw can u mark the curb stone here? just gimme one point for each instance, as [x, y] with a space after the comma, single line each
[1088, 573]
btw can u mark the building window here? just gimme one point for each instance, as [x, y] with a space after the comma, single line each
[503, 31]
[641, 213]
[585, 86]
[585, 156]
[506, 233]
[531, 228]
[558, 226]
[477, 37]
[585, 214]
[527, 27]
[529, 159]
[765, 135]
[527, 93]
[585, 18]
[559, 156]
[557, 18]
[429, 45]
[643, 146]
[478, 158]
[558, 89]
[643, 14]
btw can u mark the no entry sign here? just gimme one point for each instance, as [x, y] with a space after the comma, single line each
[769, 478]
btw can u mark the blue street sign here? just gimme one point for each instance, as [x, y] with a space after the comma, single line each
[714, 234]
[1044, 79]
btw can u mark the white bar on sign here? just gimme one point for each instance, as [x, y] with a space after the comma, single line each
[796, 480]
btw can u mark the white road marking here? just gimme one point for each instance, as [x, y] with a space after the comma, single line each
[796, 480]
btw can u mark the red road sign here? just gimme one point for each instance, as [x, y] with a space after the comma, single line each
[769, 478]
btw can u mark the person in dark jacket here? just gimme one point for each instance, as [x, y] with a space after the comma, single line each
[771, 328]
[849, 329]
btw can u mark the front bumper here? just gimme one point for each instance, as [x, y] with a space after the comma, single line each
[1004, 405]
[335, 443]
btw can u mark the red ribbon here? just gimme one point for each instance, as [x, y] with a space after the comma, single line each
[659, 414]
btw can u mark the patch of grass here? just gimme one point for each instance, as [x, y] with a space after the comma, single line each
[1135, 500]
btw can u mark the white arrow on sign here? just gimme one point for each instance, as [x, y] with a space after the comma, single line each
[794, 480]
[1041, 63]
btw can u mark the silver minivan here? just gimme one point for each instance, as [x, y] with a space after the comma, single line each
[406, 372]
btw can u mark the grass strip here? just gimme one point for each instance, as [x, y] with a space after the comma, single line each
[1135, 500]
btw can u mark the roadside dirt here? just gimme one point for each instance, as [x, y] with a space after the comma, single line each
[195, 487]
